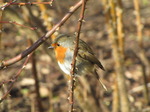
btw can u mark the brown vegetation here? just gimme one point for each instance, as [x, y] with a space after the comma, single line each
[117, 30]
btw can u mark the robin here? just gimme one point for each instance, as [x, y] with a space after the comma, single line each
[86, 61]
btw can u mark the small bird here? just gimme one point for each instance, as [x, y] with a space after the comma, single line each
[86, 61]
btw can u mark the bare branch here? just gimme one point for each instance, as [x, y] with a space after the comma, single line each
[13, 22]
[71, 98]
[22, 4]
[6, 63]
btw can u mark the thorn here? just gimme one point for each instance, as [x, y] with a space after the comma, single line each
[51, 3]
[80, 20]
[74, 79]
[11, 21]
[68, 81]
[77, 67]
[71, 7]
[19, 6]
[83, 21]
[29, 3]
[68, 98]
[58, 29]
[23, 67]
[14, 1]
[2, 8]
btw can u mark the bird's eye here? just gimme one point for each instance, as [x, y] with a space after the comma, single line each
[58, 44]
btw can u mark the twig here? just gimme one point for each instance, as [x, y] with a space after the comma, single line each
[5, 82]
[13, 22]
[21, 4]
[7, 4]
[14, 79]
[11, 61]
[37, 86]
[31, 3]
[71, 98]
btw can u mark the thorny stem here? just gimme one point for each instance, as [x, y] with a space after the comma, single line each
[21, 4]
[5, 82]
[7, 4]
[72, 79]
[11, 61]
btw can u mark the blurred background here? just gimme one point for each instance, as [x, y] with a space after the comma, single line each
[117, 30]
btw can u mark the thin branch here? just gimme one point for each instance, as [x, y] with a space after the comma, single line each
[71, 98]
[31, 3]
[22, 4]
[5, 82]
[11, 61]
[13, 22]
[7, 4]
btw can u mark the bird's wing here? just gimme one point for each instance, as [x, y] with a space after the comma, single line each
[90, 57]
[86, 53]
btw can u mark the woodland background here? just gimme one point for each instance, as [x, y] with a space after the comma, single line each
[117, 30]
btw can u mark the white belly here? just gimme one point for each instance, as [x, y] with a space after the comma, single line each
[66, 67]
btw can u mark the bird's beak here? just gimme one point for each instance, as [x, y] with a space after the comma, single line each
[50, 47]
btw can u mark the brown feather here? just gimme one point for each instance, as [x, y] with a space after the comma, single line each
[86, 53]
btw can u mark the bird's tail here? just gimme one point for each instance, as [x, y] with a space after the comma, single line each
[103, 85]
[98, 77]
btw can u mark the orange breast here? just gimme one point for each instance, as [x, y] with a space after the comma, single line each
[60, 53]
